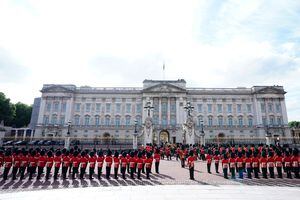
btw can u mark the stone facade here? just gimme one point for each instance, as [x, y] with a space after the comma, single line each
[110, 112]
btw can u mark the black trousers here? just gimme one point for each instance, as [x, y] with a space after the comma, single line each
[56, 169]
[123, 171]
[131, 172]
[116, 169]
[91, 172]
[249, 171]
[22, 172]
[271, 170]
[157, 167]
[217, 167]
[99, 172]
[191, 173]
[40, 171]
[148, 173]
[108, 172]
[232, 171]
[208, 167]
[128, 171]
[5, 172]
[70, 168]
[14, 172]
[288, 172]
[296, 172]
[143, 168]
[82, 172]
[48, 170]
[31, 172]
[279, 172]
[264, 172]
[139, 173]
[75, 171]
[225, 172]
[64, 171]
[182, 162]
[256, 171]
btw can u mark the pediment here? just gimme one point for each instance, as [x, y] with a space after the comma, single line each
[270, 90]
[58, 88]
[164, 87]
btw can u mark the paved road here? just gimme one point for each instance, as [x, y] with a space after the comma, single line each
[171, 173]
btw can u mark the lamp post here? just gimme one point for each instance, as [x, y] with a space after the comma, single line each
[134, 142]
[202, 134]
[268, 135]
[67, 138]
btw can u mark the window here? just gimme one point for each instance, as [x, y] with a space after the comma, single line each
[220, 121]
[108, 107]
[97, 120]
[209, 108]
[76, 120]
[118, 108]
[62, 120]
[173, 107]
[164, 121]
[155, 119]
[46, 119]
[199, 107]
[117, 121]
[239, 108]
[210, 121]
[229, 108]
[107, 120]
[77, 107]
[48, 106]
[87, 120]
[264, 120]
[263, 108]
[56, 106]
[128, 108]
[230, 122]
[200, 120]
[219, 108]
[63, 107]
[278, 108]
[139, 120]
[249, 108]
[139, 108]
[87, 107]
[250, 122]
[270, 107]
[241, 122]
[279, 121]
[127, 120]
[164, 107]
[272, 120]
[54, 119]
[98, 107]
[173, 120]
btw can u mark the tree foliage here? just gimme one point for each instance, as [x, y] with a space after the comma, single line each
[16, 115]
[294, 124]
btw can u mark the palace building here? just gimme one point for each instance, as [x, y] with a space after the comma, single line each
[119, 112]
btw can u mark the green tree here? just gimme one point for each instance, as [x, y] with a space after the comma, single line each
[7, 110]
[294, 124]
[23, 115]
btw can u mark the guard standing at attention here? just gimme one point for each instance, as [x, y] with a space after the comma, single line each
[190, 163]
[116, 164]
[108, 161]
[157, 160]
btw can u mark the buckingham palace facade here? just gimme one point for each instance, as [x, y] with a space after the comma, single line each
[104, 112]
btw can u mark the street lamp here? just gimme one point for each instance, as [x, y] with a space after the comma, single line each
[67, 138]
[69, 125]
[202, 134]
[134, 142]
[268, 135]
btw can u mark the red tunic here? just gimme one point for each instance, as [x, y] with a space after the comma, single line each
[225, 163]
[239, 162]
[17, 161]
[217, 159]
[263, 162]
[92, 161]
[295, 161]
[75, 161]
[32, 161]
[248, 162]
[66, 161]
[271, 162]
[232, 162]
[132, 162]
[100, 161]
[83, 161]
[116, 162]
[156, 157]
[208, 158]
[278, 161]
[42, 161]
[108, 161]
[8, 161]
[287, 161]
[49, 162]
[139, 163]
[123, 162]
[148, 162]
[190, 161]
[57, 161]
[255, 162]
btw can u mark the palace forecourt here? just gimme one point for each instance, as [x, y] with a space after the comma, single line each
[161, 111]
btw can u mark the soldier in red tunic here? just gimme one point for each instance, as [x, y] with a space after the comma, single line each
[239, 162]
[208, 159]
[216, 160]
[100, 161]
[271, 164]
[41, 164]
[57, 163]
[66, 160]
[128, 157]
[225, 166]
[232, 165]
[248, 166]
[123, 165]
[49, 164]
[295, 163]
[92, 162]
[278, 162]
[287, 162]
[75, 164]
[132, 165]
[108, 161]
[32, 164]
[24, 162]
[7, 163]
[190, 163]
[157, 160]
[116, 164]
[255, 165]
[83, 164]
[148, 164]
[263, 164]
[16, 164]
[140, 164]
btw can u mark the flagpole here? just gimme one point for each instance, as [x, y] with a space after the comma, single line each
[164, 72]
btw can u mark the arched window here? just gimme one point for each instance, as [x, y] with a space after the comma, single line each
[139, 119]
[200, 120]
[46, 119]
[230, 121]
[117, 121]
[250, 121]
[241, 123]
[127, 120]
[97, 120]
[107, 120]
[76, 120]
[54, 119]
[220, 121]
[210, 121]
[87, 120]
[272, 120]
